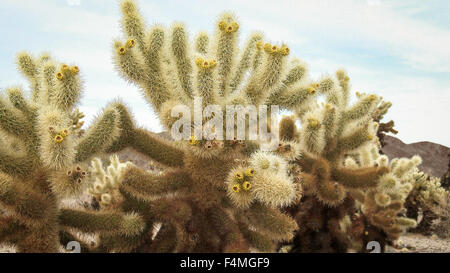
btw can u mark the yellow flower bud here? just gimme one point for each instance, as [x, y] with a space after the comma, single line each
[75, 69]
[311, 90]
[222, 25]
[313, 122]
[259, 45]
[239, 177]
[250, 172]
[59, 75]
[247, 186]
[122, 50]
[284, 50]
[64, 133]
[58, 139]
[193, 141]
[236, 188]
[64, 67]
[199, 61]
[130, 43]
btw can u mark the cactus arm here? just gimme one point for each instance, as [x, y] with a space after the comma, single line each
[15, 165]
[272, 223]
[126, 128]
[157, 148]
[144, 185]
[245, 61]
[99, 136]
[102, 222]
[180, 50]
[202, 43]
[361, 178]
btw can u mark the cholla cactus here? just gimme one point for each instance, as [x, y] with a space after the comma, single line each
[380, 218]
[105, 186]
[43, 160]
[330, 132]
[426, 196]
[215, 196]
[384, 127]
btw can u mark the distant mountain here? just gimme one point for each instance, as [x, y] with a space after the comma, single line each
[434, 156]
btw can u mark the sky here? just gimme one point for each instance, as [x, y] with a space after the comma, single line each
[397, 49]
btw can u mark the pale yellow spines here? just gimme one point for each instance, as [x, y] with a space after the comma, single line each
[362, 108]
[48, 81]
[206, 80]
[101, 134]
[57, 151]
[69, 182]
[179, 47]
[202, 43]
[245, 61]
[155, 88]
[132, 22]
[105, 185]
[67, 88]
[128, 63]
[329, 121]
[312, 133]
[226, 41]
[343, 80]
[268, 74]
[30, 69]
[18, 100]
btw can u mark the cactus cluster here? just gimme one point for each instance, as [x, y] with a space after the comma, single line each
[325, 187]
[425, 199]
[44, 157]
[334, 156]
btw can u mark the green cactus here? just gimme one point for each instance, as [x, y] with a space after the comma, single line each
[334, 157]
[43, 158]
[213, 195]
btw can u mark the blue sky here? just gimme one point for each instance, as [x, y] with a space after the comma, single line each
[397, 49]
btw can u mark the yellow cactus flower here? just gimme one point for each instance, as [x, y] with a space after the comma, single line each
[259, 45]
[313, 122]
[222, 25]
[229, 29]
[236, 188]
[75, 69]
[315, 85]
[130, 43]
[193, 141]
[274, 49]
[311, 90]
[64, 67]
[64, 133]
[372, 97]
[199, 62]
[239, 177]
[284, 50]
[205, 65]
[122, 50]
[370, 137]
[59, 75]
[268, 47]
[58, 139]
[247, 186]
[250, 172]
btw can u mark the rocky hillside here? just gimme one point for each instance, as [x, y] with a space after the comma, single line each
[434, 156]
